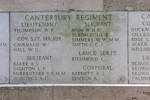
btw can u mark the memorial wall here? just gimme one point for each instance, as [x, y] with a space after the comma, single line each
[75, 47]
[72, 42]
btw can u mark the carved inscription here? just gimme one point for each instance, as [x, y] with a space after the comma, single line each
[139, 47]
[69, 47]
[75, 47]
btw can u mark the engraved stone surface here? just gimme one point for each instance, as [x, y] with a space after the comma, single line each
[4, 47]
[139, 47]
[69, 47]
[50, 5]
[134, 5]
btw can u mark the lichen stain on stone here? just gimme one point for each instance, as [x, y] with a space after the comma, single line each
[122, 79]
[115, 29]
[112, 33]
[63, 28]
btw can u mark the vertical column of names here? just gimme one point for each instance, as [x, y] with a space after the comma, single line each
[139, 47]
[38, 47]
[99, 44]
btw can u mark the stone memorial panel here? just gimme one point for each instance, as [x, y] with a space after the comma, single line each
[69, 47]
[139, 47]
[4, 47]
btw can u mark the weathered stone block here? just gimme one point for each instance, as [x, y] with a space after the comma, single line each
[102, 93]
[136, 5]
[50, 5]
[26, 93]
